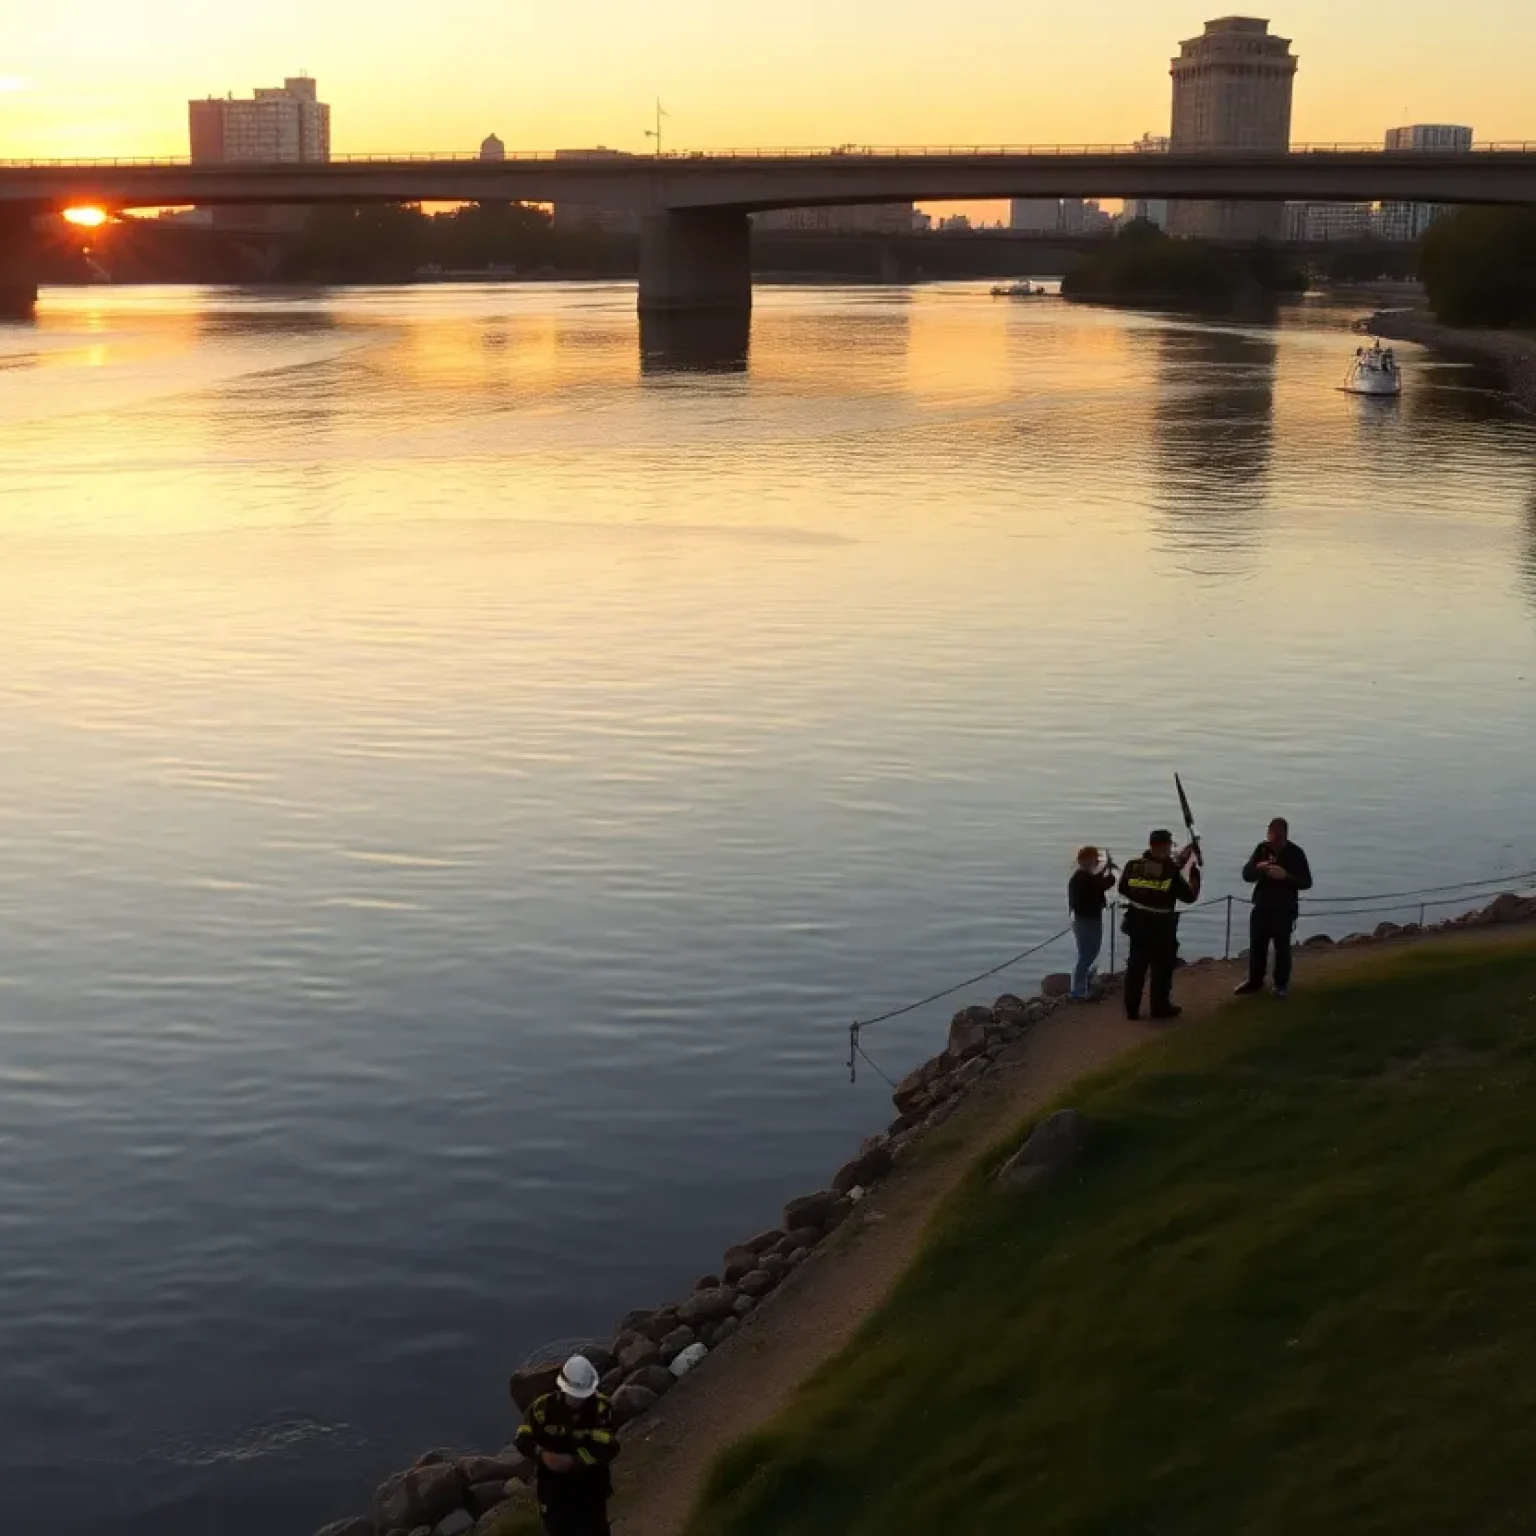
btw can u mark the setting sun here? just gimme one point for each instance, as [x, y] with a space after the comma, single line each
[90, 218]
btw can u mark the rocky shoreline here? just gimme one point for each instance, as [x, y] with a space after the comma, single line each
[458, 1494]
[1512, 352]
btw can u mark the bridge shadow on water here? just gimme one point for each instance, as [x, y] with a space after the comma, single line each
[704, 342]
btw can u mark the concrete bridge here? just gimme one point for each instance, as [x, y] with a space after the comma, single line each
[695, 232]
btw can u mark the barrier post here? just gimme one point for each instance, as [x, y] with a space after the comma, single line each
[1423, 908]
[1226, 948]
[1114, 931]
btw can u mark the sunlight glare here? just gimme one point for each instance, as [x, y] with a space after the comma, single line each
[90, 218]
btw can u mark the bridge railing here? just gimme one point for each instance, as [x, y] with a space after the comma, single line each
[783, 152]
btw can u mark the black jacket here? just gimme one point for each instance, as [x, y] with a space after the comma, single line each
[1278, 898]
[584, 1431]
[1155, 887]
[1085, 892]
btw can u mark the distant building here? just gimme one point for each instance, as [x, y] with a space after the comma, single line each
[278, 125]
[1315, 223]
[613, 221]
[1034, 215]
[492, 149]
[1407, 221]
[1232, 89]
[856, 219]
[955, 224]
[1081, 216]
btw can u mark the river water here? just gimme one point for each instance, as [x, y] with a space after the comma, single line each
[458, 784]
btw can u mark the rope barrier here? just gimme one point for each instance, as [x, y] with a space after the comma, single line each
[1325, 906]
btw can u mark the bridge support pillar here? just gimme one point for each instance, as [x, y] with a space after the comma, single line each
[696, 260]
[18, 265]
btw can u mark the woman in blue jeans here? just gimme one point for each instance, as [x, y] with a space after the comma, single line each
[1086, 898]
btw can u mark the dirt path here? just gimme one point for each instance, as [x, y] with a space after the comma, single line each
[818, 1309]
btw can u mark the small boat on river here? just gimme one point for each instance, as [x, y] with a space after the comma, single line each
[1018, 291]
[1374, 371]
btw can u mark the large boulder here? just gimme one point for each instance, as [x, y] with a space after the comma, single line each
[707, 1306]
[602, 1358]
[1508, 908]
[652, 1323]
[764, 1240]
[458, 1523]
[1317, 941]
[1057, 984]
[675, 1343]
[630, 1402]
[420, 1496]
[689, 1358]
[654, 1378]
[864, 1169]
[737, 1262]
[484, 1496]
[495, 1469]
[635, 1352]
[745, 1305]
[912, 1087]
[967, 1034]
[355, 1526]
[531, 1382]
[809, 1210]
[1053, 1145]
[774, 1264]
[1387, 930]
[758, 1283]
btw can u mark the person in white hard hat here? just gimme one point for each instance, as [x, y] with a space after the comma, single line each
[569, 1436]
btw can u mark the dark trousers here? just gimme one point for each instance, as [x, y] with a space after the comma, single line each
[1264, 929]
[574, 1517]
[1154, 946]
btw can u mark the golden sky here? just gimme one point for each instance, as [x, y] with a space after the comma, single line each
[97, 77]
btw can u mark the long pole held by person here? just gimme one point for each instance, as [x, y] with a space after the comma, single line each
[1189, 820]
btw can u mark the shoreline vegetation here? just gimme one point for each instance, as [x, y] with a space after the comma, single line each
[1142, 266]
[799, 1293]
[1479, 272]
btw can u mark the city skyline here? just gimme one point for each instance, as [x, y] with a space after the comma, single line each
[863, 75]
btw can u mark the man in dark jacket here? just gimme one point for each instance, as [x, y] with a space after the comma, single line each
[1278, 873]
[1153, 886]
[569, 1436]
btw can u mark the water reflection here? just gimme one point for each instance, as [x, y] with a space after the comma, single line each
[1528, 551]
[695, 343]
[1214, 427]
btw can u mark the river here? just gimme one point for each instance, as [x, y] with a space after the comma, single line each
[458, 785]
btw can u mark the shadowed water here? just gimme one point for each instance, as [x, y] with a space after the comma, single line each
[461, 771]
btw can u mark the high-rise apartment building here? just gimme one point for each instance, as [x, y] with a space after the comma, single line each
[1232, 89]
[1034, 215]
[1407, 221]
[276, 125]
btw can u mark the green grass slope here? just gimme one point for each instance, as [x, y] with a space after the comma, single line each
[1291, 1288]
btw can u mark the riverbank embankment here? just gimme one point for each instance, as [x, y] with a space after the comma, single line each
[1512, 352]
[689, 1378]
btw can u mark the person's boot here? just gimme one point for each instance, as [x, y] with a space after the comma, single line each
[1172, 1011]
[1248, 988]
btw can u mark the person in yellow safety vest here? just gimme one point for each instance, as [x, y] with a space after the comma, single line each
[569, 1435]
[1152, 888]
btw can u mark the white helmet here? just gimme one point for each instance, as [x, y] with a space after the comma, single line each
[578, 1377]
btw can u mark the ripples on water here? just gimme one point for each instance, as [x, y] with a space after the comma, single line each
[458, 783]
